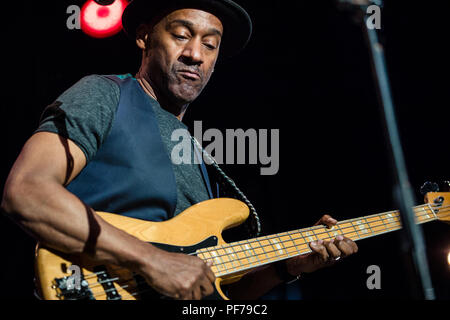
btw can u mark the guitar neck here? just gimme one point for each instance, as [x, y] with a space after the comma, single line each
[245, 255]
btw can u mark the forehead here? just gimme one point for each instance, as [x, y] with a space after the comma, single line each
[198, 18]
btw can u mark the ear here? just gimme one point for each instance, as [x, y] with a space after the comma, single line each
[142, 34]
[142, 43]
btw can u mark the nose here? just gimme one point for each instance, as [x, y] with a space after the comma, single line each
[192, 52]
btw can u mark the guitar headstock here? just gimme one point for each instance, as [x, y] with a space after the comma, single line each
[441, 204]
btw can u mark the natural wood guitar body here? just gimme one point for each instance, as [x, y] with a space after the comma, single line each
[196, 224]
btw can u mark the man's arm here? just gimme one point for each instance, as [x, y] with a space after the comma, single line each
[36, 198]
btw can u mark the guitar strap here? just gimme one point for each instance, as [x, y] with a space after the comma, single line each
[254, 225]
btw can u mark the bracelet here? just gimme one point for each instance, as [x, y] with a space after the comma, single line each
[283, 274]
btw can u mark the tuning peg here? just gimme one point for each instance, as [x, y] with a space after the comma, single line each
[429, 187]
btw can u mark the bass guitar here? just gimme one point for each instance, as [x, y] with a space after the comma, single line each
[198, 231]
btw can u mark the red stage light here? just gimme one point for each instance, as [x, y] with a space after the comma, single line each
[102, 21]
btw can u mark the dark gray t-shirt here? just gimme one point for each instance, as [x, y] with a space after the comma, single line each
[86, 111]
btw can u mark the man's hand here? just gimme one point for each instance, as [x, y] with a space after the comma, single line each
[325, 253]
[179, 276]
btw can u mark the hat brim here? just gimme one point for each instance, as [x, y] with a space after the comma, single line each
[235, 20]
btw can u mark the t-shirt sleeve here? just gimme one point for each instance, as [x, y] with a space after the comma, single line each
[84, 113]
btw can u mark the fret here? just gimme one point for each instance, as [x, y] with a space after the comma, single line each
[282, 244]
[377, 224]
[302, 237]
[285, 243]
[334, 233]
[352, 233]
[321, 233]
[262, 247]
[201, 255]
[257, 258]
[208, 257]
[368, 224]
[357, 233]
[432, 210]
[278, 249]
[362, 227]
[303, 244]
[426, 213]
[216, 257]
[309, 234]
[246, 251]
[397, 221]
[271, 253]
[390, 219]
[426, 216]
[387, 220]
[386, 228]
[231, 253]
[225, 257]
[293, 242]
[236, 253]
[240, 253]
[393, 221]
[206, 254]
[341, 232]
[421, 216]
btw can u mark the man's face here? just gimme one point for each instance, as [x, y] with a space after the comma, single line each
[182, 52]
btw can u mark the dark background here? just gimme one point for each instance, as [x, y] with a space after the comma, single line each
[306, 72]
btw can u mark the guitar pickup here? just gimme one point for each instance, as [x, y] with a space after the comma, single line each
[107, 283]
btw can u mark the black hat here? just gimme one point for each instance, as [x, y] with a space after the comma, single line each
[235, 20]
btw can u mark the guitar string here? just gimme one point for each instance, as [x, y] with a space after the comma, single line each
[397, 224]
[353, 231]
[299, 238]
[93, 285]
[382, 218]
[267, 262]
[235, 244]
[239, 244]
[286, 256]
[246, 242]
[132, 294]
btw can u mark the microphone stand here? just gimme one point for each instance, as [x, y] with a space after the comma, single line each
[413, 246]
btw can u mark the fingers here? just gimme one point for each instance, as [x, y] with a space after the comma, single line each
[205, 284]
[209, 273]
[327, 221]
[206, 288]
[193, 279]
[333, 250]
[346, 246]
[318, 248]
[197, 293]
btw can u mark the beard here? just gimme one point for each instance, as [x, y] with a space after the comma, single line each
[181, 88]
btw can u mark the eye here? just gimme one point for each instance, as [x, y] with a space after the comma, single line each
[179, 37]
[209, 46]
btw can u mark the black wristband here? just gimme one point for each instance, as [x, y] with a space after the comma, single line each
[282, 272]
